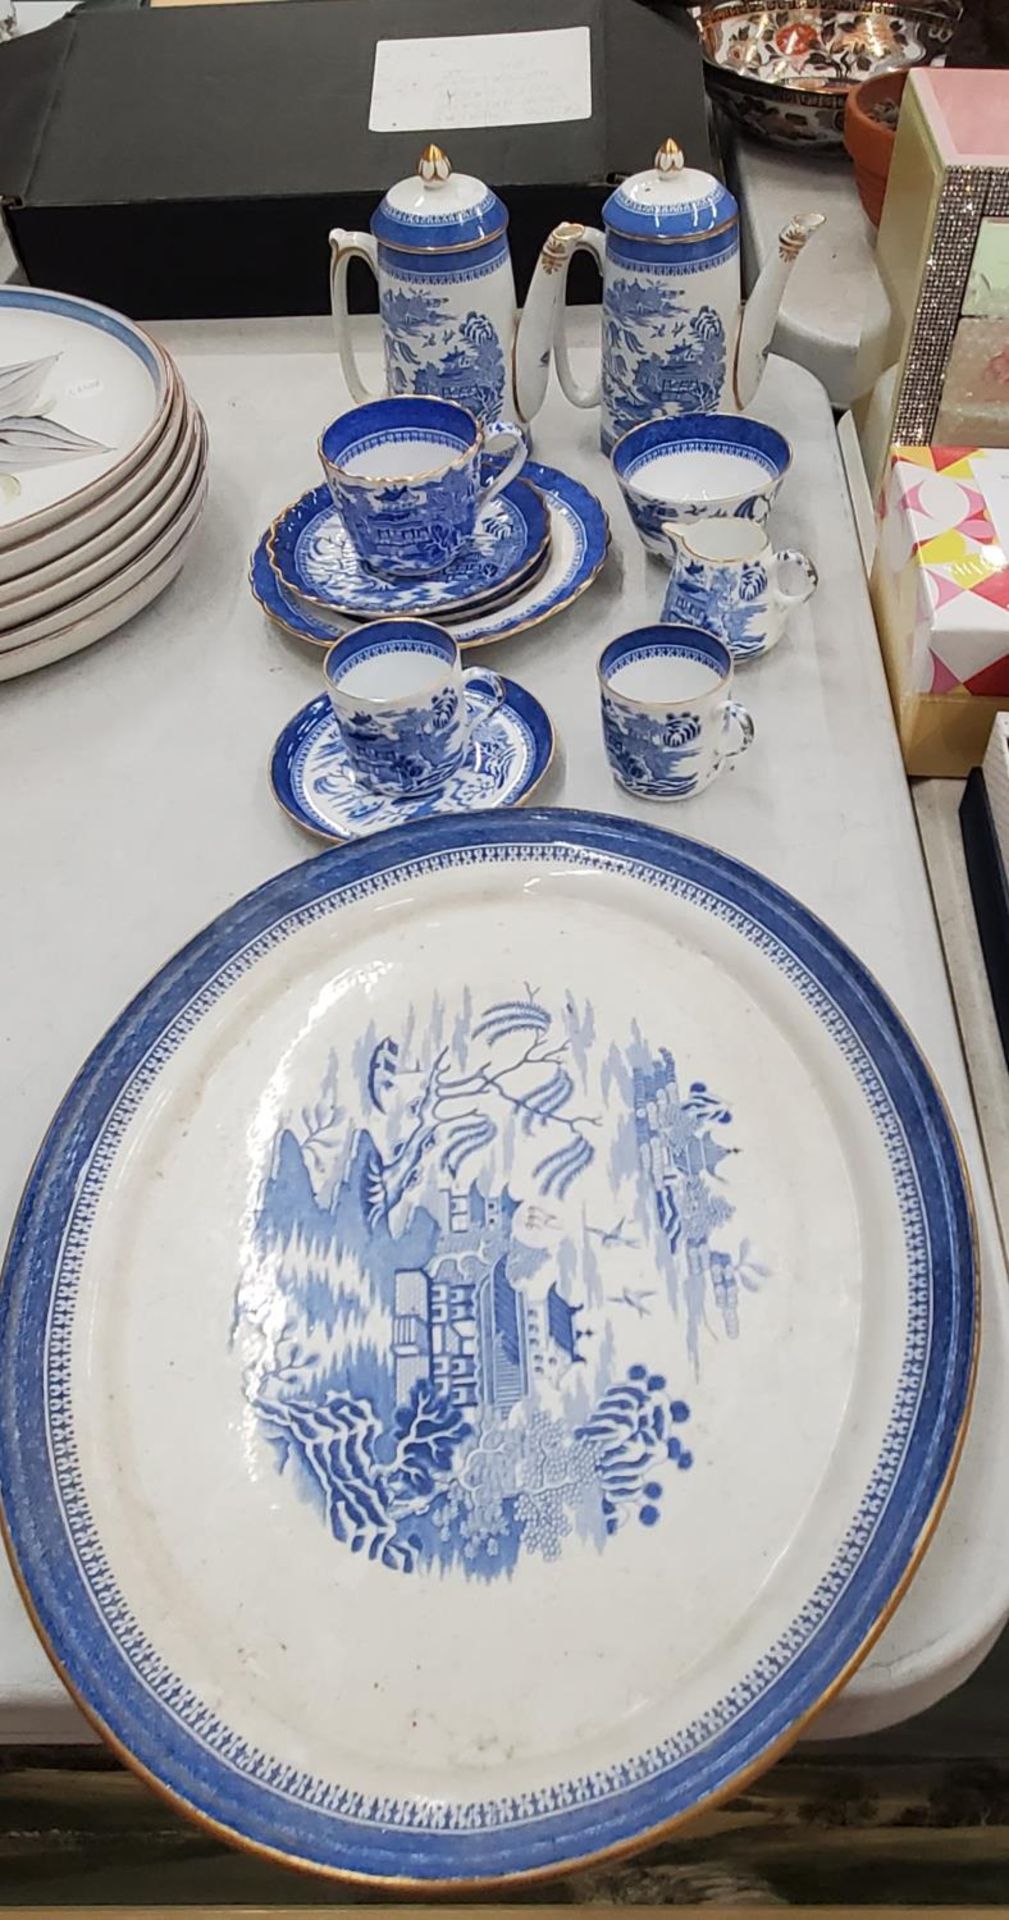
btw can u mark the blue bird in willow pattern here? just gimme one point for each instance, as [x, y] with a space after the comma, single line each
[634, 1297]
[614, 1236]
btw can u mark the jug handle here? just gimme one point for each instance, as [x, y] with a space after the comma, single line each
[589, 240]
[801, 564]
[343, 248]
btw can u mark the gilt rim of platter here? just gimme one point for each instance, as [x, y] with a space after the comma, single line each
[95, 1666]
[716, 12]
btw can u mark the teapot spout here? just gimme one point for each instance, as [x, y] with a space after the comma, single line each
[761, 310]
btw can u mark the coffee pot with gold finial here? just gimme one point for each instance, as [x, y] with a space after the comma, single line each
[438, 248]
[676, 337]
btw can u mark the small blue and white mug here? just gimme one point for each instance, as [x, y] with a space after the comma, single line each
[405, 705]
[409, 476]
[669, 723]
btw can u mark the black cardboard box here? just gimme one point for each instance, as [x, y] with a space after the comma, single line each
[179, 161]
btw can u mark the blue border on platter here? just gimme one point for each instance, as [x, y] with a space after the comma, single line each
[287, 531]
[593, 544]
[284, 762]
[146, 1710]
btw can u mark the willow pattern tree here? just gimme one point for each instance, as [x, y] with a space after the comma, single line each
[514, 1069]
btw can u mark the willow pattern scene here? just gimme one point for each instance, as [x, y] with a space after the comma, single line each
[449, 1333]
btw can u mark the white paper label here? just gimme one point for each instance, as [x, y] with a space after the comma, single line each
[482, 80]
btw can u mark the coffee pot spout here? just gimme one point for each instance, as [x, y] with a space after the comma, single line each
[541, 327]
[761, 310]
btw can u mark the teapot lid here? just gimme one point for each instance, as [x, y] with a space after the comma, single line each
[438, 211]
[670, 201]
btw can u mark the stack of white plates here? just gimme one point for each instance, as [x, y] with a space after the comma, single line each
[103, 474]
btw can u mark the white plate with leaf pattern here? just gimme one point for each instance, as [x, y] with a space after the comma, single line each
[484, 1344]
[83, 398]
[66, 580]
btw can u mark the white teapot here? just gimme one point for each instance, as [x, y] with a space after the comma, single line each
[676, 338]
[438, 248]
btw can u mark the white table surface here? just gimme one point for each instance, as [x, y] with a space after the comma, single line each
[136, 806]
[835, 311]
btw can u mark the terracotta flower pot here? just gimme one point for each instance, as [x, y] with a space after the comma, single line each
[870, 128]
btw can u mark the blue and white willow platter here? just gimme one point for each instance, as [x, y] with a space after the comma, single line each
[579, 538]
[483, 1346]
[509, 754]
[315, 560]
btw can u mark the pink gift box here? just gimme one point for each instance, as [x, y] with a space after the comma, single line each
[941, 594]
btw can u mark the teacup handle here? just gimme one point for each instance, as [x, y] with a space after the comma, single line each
[810, 578]
[502, 429]
[489, 688]
[736, 713]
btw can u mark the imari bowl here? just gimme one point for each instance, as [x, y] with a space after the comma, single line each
[783, 73]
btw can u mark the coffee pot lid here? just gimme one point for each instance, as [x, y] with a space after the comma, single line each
[436, 210]
[670, 201]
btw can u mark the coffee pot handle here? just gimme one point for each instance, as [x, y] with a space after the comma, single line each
[587, 240]
[343, 248]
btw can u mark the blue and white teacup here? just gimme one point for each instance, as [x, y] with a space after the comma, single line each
[669, 722]
[408, 478]
[727, 578]
[405, 705]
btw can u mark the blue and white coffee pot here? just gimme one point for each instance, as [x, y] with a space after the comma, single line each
[676, 338]
[438, 248]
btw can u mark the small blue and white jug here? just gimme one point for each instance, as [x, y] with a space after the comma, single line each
[438, 248]
[727, 578]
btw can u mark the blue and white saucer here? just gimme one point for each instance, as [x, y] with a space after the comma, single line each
[579, 539]
[509, 754]
[316, 561]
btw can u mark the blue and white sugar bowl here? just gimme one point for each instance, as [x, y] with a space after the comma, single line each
[698, 466]
[669, 721]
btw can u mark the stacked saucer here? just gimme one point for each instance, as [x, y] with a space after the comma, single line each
[103, 461]
[366, 547]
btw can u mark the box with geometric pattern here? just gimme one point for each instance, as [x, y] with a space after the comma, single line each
[940, 589]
